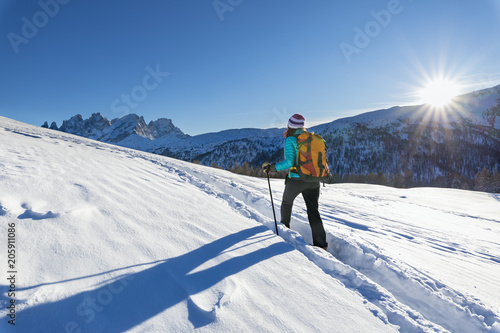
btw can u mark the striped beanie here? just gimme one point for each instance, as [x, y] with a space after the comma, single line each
[296, 121]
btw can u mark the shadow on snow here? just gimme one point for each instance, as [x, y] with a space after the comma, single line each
[134, 298]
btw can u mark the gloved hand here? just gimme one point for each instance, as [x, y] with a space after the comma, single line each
[267, 167]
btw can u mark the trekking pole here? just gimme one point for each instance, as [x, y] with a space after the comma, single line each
[272, 204]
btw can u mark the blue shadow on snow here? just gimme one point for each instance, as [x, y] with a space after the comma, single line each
[134, 298]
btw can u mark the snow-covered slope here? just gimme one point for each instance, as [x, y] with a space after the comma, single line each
[110, 239]
[470, 106]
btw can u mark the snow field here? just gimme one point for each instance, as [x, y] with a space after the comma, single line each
[106, 229]
[408, 297]
[137, 242]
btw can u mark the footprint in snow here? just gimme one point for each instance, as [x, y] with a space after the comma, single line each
[198, 316]
[3, 211]
[29, 214]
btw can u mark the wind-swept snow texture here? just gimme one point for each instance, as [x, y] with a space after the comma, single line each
[110, 239]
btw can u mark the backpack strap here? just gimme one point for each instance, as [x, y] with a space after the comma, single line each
[300, 144]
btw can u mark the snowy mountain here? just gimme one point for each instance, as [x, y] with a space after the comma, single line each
[164, 127]
[419, 145]
[470, 106]
[110, 239]
[127, 129]
[404, 146]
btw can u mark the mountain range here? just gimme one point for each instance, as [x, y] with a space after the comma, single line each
[400, 146]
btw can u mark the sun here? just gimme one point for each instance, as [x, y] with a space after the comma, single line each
[439, 93]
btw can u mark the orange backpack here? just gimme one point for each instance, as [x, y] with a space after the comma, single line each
[311, 163]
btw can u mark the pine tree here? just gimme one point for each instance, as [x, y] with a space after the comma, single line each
[495, 183]
[483, 180]
[492, 113]
[381, 178]
[371, 178]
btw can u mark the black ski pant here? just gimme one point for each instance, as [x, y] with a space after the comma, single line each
[310, 193]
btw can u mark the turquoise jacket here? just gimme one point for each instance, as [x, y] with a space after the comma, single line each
[291, 151]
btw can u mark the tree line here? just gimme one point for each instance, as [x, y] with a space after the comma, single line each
[484, 180]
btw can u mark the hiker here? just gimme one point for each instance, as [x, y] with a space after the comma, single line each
[295, 186]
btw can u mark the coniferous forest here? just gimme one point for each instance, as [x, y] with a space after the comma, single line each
[404, 154]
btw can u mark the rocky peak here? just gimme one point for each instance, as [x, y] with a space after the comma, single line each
[53, 126]
[90, 128]
[164, 126]
[98, 121]
[124, 127]
[74, 125]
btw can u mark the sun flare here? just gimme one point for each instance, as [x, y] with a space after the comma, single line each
[439, 93]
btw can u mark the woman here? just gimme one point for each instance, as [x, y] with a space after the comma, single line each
[295, 186]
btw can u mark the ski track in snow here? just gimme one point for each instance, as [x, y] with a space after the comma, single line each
[388, 287]
[396, 293]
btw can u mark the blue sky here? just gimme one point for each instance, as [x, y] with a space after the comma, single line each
[213, 65]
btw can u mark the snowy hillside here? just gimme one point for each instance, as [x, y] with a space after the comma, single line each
[418, 145]
[109, 239]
